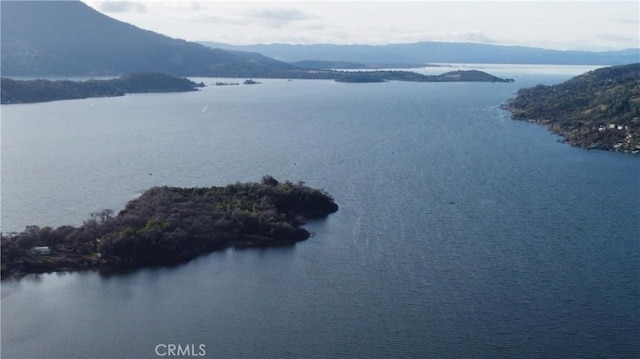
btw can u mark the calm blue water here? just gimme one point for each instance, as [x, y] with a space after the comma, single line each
[461, 233]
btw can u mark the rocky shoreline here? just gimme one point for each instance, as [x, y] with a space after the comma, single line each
[582, 138]
[597, 110]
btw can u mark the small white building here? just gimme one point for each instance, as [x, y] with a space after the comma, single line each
[43, 251]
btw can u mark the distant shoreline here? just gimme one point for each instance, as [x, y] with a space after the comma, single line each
[39, 90]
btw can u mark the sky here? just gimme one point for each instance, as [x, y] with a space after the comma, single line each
[561, 25]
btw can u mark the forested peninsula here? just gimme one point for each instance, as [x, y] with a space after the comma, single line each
[396, 75]
[29, 91]
[170, 225]
[597, 110]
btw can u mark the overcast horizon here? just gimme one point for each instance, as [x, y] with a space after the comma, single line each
[569, 25]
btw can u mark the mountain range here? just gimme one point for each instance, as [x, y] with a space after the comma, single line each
[69, 38]
[428, 52]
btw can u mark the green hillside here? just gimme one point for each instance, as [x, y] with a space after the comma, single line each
[599, 109]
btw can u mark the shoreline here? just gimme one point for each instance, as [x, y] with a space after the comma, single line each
[599, 109]
[566, 136]
[64, 262]
[41, 90]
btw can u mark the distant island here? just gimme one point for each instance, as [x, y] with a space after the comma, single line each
[597, 110]
[29, 91]
[245, 82]
[170, 225]
[383, 76]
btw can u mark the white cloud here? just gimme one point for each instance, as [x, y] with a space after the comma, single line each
[122, 6]
[465, 36]
[219, 20]
[551, 24]
[278, 17]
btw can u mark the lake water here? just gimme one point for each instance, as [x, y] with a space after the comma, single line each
[460, 234]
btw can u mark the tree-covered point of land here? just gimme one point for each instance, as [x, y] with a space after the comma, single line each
[28, 91]
[397, 75]
[167, 225]
[599, 109]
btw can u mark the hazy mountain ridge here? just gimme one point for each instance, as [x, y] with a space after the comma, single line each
[421, 53]
[69, 38]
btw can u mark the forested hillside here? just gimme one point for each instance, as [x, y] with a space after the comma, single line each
[599, 109]
[168, 225]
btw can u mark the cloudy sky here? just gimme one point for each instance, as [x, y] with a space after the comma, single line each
[566, 25]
